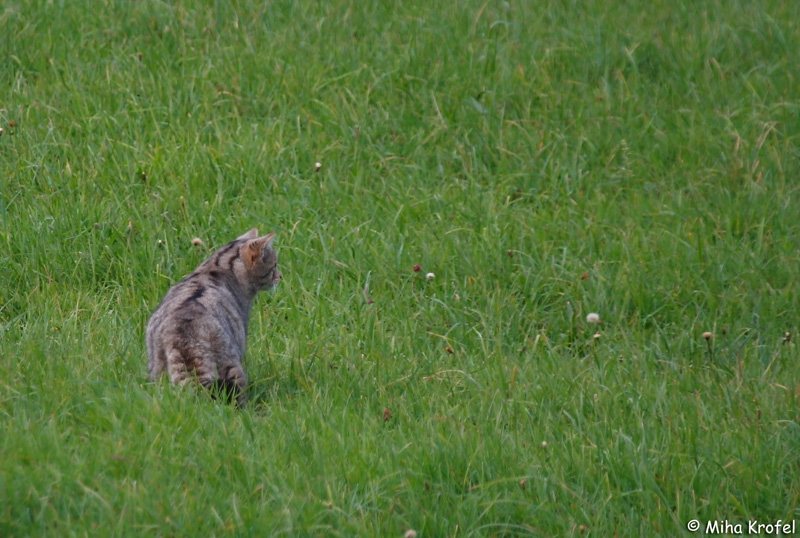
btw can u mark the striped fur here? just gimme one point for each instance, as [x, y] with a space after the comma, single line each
[198, 331]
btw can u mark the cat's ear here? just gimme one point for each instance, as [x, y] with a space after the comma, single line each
[251, 234]
[254, 248]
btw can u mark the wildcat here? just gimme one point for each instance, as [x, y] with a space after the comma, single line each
[198, 331]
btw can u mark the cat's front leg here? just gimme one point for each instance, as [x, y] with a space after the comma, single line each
[234, 379]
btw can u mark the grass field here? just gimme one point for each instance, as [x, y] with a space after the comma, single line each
[545, 160]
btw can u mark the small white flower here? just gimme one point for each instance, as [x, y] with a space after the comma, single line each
[197, 241]
[430, 276]
[410, 533]
[593, 318]
[317, 166]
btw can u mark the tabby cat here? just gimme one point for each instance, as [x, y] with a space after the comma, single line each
[199, 329]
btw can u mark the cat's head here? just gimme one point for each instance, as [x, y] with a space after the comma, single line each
[260, 262]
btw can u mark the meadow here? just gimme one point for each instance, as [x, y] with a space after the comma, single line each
[544, 160]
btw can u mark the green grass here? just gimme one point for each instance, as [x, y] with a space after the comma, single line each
[544, 159]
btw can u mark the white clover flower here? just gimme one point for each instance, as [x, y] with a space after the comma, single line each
[593, 318]
[430, 276]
